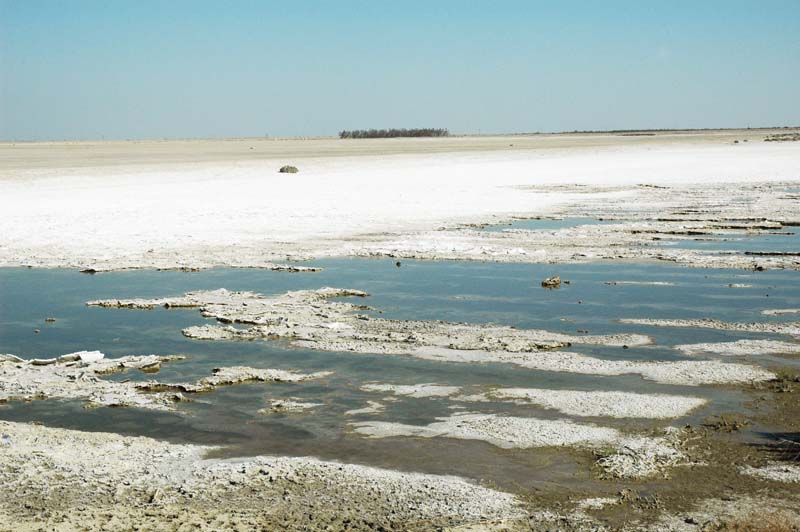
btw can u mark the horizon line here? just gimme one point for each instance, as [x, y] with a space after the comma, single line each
[451, 135]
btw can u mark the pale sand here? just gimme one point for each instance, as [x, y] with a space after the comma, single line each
[187, 203]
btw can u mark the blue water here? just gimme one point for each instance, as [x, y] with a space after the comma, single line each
[507, 294]
[740, 243]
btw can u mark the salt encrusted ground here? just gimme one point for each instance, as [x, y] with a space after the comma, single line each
[780, 311]
[741, 348]
[106, 475]
[626, 456]
[200, 204]
[789, 328]
[779, 472]
[571, 402]
[79, 376]
[596, 403]
[683, 372]
[300, 314]
[310, 318]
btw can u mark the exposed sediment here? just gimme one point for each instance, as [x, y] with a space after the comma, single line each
[77, 376]
[629, 457]
[685, 372]
[572, 402]
[222, 220]
[125, 482]
[790, 328]
[741, 348]
[596, 403]
[776, 471]
[310, 318]
[745, 513]
[780, 311]
[235, 375]
[652, 226]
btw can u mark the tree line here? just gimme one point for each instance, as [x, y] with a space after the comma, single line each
[390, 133]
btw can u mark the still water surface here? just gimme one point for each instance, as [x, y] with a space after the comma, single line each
[508, 294]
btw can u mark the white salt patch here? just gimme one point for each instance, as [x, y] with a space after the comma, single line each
[629, 456]
[373, 407]
[505, 432]
[707, 323]
[774, 471]
[413, 390]
[134, 205]
[597, 503]
[685, 372]
[599, 403]
[780, 311]
[741, 348]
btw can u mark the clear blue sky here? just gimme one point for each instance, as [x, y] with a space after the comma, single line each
[155, 69]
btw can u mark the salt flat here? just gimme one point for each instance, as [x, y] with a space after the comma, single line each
[400, 421]
[195, 203]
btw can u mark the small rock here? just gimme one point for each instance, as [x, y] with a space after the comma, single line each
[552, 282]
[49, 320]
[288, 169]
[156, 496]
[36, 331]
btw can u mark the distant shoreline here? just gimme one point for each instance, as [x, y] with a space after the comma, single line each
[631, 132]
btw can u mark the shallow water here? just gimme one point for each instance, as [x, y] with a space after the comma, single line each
[740, 243]
[548, 224]
[455, 291]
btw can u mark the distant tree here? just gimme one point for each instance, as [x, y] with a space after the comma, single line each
[392, 133]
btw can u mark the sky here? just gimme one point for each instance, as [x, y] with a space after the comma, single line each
[125, 69]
